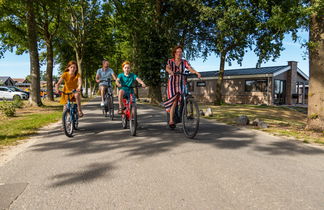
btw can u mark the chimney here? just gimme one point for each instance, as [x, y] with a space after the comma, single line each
[291, 82]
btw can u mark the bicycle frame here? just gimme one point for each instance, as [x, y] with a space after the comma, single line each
[72, 120]
[71, 106]
[127, 104]
[184, 96]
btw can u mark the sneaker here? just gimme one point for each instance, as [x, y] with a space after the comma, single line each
[102, 104]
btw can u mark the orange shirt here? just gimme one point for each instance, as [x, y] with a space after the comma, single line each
[70, 83]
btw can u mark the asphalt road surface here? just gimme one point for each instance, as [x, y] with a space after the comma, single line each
[103, 167]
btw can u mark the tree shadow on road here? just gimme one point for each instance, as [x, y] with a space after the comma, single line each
[90, 173]
[100, 135]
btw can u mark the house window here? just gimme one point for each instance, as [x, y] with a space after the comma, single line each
[201, 84]
[256, 85]
[191, 86]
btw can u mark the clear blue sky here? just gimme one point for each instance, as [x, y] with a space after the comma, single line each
[17, 66]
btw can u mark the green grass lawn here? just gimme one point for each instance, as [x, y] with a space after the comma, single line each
[283, 121]
[27, 121]
[21, 127]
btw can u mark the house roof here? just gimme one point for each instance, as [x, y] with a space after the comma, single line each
[270, 71]
[19, 79]
[3, 79]
[246, 71]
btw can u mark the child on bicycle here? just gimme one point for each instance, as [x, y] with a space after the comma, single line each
[72, 81]
[125, 84]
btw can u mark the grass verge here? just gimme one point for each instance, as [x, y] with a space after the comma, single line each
[27, 121]
[283, 121]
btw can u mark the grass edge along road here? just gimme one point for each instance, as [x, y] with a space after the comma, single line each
[282, 121]
[27, 121]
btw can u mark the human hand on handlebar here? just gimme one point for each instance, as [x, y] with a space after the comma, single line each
[198, 75]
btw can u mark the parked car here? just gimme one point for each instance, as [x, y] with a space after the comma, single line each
[7, 93]
[18, 89]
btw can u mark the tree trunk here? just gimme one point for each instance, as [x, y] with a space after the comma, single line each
[35, 99]
[86, 82]
[316, 72]
[219, 82]
[155, 94]
[49, 70]
[79, 62]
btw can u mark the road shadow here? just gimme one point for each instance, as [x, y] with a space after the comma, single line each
[88, 174]
[98, 134]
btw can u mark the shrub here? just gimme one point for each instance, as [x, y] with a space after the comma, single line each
[8, 109]
[17, 103]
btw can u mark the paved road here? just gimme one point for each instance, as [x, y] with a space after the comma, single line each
[103, 167]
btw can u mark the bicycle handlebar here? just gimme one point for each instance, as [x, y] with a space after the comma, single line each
[187, 74]
[73, 91]
[106, 80]
[134, 86]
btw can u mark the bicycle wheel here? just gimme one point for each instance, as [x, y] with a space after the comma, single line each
[105, 108]
[124, 121]
[133, 119]
[76, 120]
[67, 123]
[190, 118]
[111, 107]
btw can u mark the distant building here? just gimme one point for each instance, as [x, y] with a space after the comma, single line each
[20, 80]
[266, 85]
[6, 81]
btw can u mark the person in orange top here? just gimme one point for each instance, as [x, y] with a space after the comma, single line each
[72, 81]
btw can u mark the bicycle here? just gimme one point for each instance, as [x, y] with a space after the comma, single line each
[130, 112]
[70, 118]
[188, 112]
[108, 100]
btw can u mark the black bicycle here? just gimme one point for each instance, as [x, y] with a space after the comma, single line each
[108, 108]
[188, 111]
[70, 118]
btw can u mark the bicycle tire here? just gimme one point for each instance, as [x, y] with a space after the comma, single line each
[105, 107]
[190, 118]
[76, 120]
[124, 121]
[67, 124]
[133, 120]
[111, 107]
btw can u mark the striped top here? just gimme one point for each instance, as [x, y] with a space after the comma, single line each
[176, 83]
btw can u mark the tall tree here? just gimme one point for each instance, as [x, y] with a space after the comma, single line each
[78, 17]
[316, 67]
[227, 31]
[48, 21]
[19, 32]
[35, 99]
[151, 29]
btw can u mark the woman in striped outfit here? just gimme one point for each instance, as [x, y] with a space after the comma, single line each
[176, 83]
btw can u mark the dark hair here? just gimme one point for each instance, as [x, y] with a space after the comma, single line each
[175, 49]
[70, 63]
